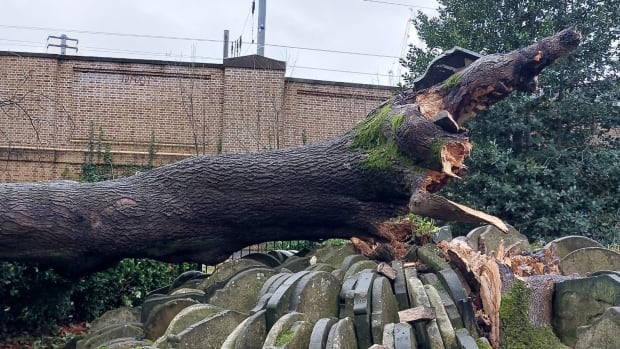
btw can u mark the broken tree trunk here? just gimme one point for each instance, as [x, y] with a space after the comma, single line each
[204, 208]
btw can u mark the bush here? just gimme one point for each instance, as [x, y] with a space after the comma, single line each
[36, 299]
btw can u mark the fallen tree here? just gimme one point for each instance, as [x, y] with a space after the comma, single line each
[204, 208]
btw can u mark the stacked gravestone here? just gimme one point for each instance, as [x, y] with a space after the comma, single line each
[334, 298]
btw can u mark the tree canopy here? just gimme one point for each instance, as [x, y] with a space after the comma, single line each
[545, 162]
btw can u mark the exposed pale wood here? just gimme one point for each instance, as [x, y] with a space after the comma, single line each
[417, 314]
[386, 270]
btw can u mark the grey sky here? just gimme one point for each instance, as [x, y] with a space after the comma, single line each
[342, 25]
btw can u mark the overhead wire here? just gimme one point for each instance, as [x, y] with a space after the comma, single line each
[183, 38]
[197, 39]
[400, 4]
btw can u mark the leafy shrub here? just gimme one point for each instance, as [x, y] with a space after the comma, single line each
[36, 299]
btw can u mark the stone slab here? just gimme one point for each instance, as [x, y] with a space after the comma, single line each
[400, 286]
[125, 343]
[448, 303]
[465, 340]
[387, 340]
[602, 333]
[296, 263]
[321, 267]
[432, 257]
[280, 300]
[362, 302]
[187, 276]
[272, 284]
[589, 259]
[249, 334]
[442, 234]
[342, 335]
[576, 302]
[155, 300]
[346, 296]
[191, 315]
[209, 333]
[241, 292]
[468, 315]
[264, 258]
[491, 237]
[404, 338]
[384, 307]
[282, 324]
[360, 266]
[443, 321]
[96, 339]
[567, 244]
[320, 332]
[333, 255]
[161, 316]
[452, 283]
[223, 272]
[348, 261]
[316, 288]
[118, 316]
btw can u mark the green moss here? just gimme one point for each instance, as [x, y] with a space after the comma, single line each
[482, 345]
[516, 330]
[396, 121]
[284, 337]
[452, 81]
[369, 133]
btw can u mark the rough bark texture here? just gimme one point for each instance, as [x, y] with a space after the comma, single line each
[204, 208]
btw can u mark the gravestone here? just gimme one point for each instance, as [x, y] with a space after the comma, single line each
[443, 321]
[159, 318]
[589, 259]
[342, 335]
[241, 291]
[320, 332]
[249, 334]
[316, 296]
[191, 315]
[602, 333]
[578, 301]
[209, 333]
[118, 316]
[384, 307]
[362, 302]
[100, 337]
[567, 244]
[278, 304]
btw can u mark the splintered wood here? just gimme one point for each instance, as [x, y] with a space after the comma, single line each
[487, 274]
[486, 279]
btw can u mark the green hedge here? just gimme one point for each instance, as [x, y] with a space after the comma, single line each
[33, 299]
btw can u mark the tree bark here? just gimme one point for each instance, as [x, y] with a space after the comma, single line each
[204, 208]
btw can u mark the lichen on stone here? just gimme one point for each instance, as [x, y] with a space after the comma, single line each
[284, 337]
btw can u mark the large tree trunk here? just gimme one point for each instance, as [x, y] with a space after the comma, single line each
[204, 208]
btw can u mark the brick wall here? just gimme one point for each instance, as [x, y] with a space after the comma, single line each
[243, 105]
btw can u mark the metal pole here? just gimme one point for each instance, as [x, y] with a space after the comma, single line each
[262, 14]
[63, 44]
[226, 43]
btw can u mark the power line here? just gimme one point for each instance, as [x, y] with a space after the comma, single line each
[161, 54]
[400, 4]
[339, 71]
[165, 37]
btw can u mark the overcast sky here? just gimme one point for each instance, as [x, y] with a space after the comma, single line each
[360, 26]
